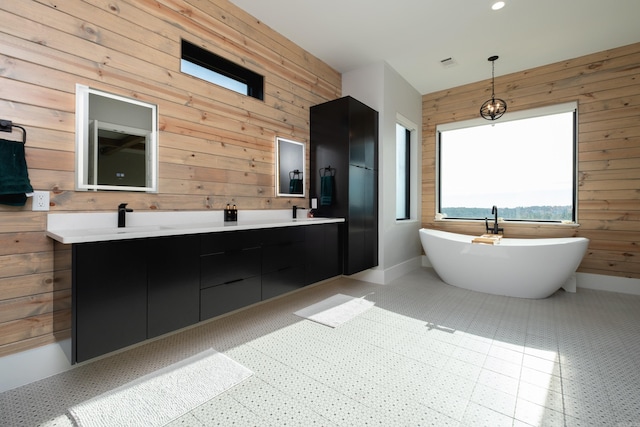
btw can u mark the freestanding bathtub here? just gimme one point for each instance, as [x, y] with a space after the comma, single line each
[525, 268]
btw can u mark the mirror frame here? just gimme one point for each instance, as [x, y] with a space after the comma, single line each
[283, 192]
[82, 143]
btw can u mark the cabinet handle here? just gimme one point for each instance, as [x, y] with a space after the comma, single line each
[232, 281]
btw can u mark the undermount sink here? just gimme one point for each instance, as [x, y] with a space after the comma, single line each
[127, 230]
[142, 228]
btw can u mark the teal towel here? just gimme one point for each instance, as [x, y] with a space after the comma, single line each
[326, 190]
[295, 186]
[14, 178]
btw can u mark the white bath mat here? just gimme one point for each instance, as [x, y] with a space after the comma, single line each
[335, 310]
[164, 395]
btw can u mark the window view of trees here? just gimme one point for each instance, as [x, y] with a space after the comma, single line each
[524, 164]
[529, 213]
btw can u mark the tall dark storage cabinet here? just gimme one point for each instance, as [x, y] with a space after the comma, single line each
[344, 144]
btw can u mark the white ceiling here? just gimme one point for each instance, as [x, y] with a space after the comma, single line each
[413, 36]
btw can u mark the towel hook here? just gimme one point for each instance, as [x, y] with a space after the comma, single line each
[327, 171]
[7, 126]
[295, 174]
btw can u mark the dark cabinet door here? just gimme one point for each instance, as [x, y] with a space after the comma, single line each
[370, 218]
[322, 252]
[362, 225]
[330, 148]
[173, 283]
[363, 135]
[110, 297]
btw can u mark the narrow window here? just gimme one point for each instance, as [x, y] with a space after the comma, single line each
[208, 66]
[525, 165]
[403, 172]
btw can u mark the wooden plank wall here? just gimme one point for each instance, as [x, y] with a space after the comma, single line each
[606, 86]
[216, 147]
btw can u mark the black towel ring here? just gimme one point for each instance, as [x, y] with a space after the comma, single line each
[328, 171]
[7, 126]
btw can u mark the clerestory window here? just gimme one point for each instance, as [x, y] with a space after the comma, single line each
[208, 66]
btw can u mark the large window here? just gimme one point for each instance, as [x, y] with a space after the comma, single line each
[525, 164]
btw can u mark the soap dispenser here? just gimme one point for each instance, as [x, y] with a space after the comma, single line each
[230, 214]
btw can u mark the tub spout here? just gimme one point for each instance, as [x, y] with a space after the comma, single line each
[495, 229]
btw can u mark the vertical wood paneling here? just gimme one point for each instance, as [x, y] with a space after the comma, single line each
[606, 86]
[216, 146]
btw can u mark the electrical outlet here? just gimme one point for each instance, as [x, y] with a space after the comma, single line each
[40, 201]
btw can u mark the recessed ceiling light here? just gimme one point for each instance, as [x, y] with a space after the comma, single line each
[497, 5]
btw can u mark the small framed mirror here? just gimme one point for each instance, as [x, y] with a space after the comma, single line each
[116, 142]
[290, 158]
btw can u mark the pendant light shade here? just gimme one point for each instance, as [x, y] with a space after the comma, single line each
[493, 108]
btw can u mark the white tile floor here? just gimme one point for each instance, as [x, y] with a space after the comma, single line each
[427, 354]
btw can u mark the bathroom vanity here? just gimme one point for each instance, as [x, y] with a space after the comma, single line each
[145, 281]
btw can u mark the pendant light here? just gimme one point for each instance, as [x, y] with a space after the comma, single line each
[493, 108]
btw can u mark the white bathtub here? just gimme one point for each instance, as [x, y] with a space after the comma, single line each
[525, 268]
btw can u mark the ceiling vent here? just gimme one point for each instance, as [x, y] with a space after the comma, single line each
[448, 62]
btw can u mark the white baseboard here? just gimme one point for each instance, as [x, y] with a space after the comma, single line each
[382, 277]
[601, 282]
[373, 275]
[35, 364]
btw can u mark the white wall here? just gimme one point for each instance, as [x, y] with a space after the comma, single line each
[383, 89]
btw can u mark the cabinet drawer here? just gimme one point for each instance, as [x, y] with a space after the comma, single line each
[221, 299]
[282, 281]
[283, 255]
[219, 268]
[229, 241]
[278, 236]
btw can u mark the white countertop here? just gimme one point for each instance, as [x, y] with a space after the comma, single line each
[102, 226]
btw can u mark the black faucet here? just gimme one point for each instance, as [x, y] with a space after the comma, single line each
[295, 211]
[122, 212]
[495, 229]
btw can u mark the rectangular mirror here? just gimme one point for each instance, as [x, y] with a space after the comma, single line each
[290, 160]
[116, 142]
